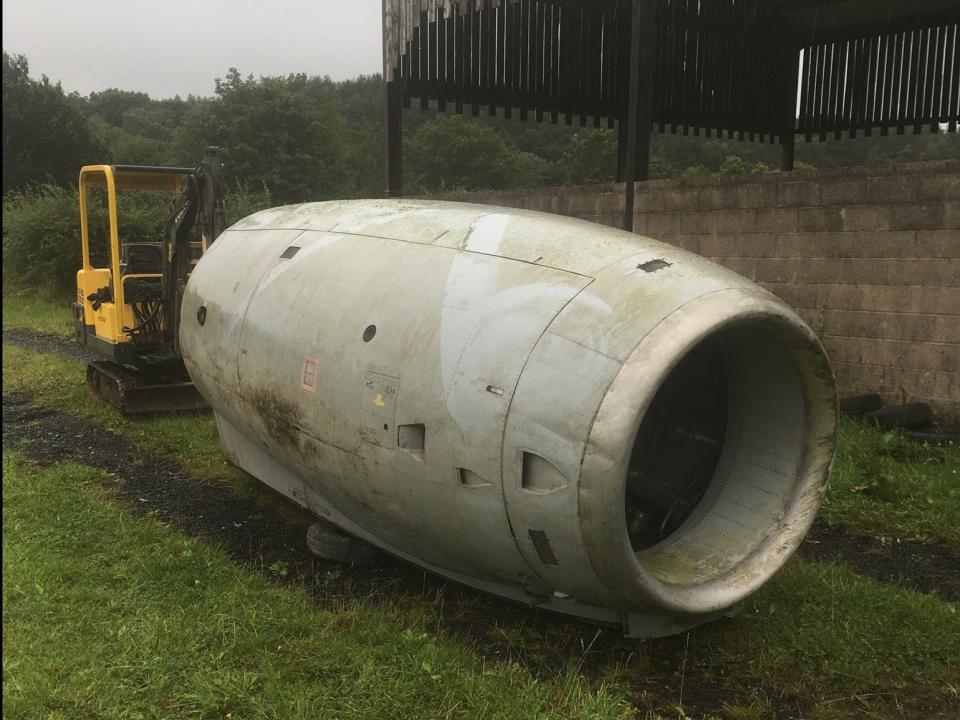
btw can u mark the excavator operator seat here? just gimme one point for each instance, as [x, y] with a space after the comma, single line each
[141, 258]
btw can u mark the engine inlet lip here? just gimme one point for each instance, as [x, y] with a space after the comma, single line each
[607, 454]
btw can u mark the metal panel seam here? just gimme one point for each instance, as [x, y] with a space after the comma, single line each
[506, 421]
[246, 307]
[441, 247]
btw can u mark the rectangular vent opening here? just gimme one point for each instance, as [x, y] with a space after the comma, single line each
[289, 252]
[653, 265]
[541, 543]
[412, 439]
[468, 478]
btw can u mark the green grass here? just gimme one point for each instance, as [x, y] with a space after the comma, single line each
[822, 620]
[25, 309]
[108, 616]
[890, 487]
[104, 612]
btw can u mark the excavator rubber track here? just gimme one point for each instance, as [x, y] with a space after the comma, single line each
[135, 394]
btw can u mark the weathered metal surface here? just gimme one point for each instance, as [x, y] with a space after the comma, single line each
[550, 410]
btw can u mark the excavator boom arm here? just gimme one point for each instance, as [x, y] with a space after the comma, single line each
[201, 201]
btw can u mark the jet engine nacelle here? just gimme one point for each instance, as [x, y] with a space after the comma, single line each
[546, 409]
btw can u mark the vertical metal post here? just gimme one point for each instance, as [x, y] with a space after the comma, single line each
[639, 102]
[392, 104]
[787, 144]
[648, 62]
[622, 149]
[633, 97]
[393, 122]
[788, 136]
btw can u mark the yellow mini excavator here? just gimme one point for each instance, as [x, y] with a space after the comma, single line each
[127, 313]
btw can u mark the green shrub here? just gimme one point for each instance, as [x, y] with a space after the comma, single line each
[733, 165]
[590, 157]
[41, 229]
[695, 171]
[452, 151]
[242, 201]
[41, 237]
[41, 232]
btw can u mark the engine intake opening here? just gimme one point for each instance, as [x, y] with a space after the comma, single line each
[677, 447]
[721, 453]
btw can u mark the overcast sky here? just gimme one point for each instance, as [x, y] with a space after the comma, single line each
[176, 47]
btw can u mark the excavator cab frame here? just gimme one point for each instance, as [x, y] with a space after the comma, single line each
[106, 314]
[128, 313]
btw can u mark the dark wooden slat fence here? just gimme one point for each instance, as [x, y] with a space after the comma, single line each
[891, 81]
[724, 66]
[741, 68]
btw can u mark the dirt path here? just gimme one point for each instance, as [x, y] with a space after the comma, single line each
[46, 343]
[152, 483]
[933, 569]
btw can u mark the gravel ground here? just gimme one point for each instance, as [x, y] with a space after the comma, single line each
[46, 343]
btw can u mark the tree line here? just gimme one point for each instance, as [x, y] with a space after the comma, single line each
[310, 138]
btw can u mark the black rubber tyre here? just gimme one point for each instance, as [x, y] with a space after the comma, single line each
[911, 415]
[933, 436]
[327, 542]
[857, 405]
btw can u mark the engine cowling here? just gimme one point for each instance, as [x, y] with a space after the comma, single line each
[550, 410]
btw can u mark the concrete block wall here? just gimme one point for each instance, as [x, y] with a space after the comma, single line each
[868, 256]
